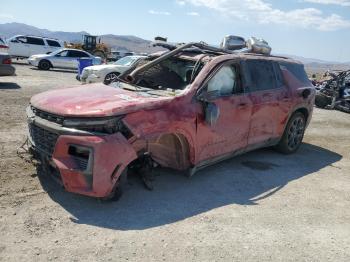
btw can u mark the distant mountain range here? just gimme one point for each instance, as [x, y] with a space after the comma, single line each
[136, 44]
[117, 42]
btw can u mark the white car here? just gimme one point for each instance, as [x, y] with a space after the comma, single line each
[108, 73]
[25, 46]
[63, 58]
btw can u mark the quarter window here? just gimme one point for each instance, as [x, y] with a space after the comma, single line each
[296, 70]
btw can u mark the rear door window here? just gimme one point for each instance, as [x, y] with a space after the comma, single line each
[260, 75]
[53, 43]
[35, 41]
[73, 53]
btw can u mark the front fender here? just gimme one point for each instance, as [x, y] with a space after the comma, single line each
[111, 155]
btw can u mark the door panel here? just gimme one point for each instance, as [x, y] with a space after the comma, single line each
[230, 131]
[267, 95]
[37, 45]
[265, 117]
[60, 60]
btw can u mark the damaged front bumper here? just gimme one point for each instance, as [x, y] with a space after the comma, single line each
[86, 163]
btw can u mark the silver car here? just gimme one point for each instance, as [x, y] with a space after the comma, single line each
[63, 58]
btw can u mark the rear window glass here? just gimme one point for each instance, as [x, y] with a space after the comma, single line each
[297, 70]
[53, 43]
[35, 41]
[261, 75]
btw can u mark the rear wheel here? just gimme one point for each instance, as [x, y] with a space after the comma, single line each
[44, 65]
[111, 77]
[293, 134]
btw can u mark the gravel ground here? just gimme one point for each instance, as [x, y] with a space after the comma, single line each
[261, 206]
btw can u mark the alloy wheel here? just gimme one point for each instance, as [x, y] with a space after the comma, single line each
[296, 132]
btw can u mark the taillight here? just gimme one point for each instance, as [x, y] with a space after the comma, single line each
[4, 46]
[7, 61]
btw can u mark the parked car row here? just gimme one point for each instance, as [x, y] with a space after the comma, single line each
[47, 53]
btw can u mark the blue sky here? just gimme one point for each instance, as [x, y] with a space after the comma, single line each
[310, 28]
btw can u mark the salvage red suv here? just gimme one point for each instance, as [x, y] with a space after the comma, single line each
[186, 108]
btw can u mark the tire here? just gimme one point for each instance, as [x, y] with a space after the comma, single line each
[118, 189]
[293, 134]
[110, 77]
[322, 100]
[44, 65]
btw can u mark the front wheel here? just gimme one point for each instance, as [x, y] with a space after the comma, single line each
[44, 65]
[111, 77]
[293, 134]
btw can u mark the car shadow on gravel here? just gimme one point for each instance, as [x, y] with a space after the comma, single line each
[243, 180]
[9, 85]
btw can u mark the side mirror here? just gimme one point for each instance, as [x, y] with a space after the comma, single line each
[212, 113]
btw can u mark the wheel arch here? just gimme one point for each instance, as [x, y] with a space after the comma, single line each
[302, 110]
[171, 150]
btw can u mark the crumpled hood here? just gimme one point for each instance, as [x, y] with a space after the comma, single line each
[94, 100]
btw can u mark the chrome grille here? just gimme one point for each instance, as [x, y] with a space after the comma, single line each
[43, 139]
[48, 116]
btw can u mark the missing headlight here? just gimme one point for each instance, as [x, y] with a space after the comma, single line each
[82, 157]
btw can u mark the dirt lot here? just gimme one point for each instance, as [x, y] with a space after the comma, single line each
[261, 206]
